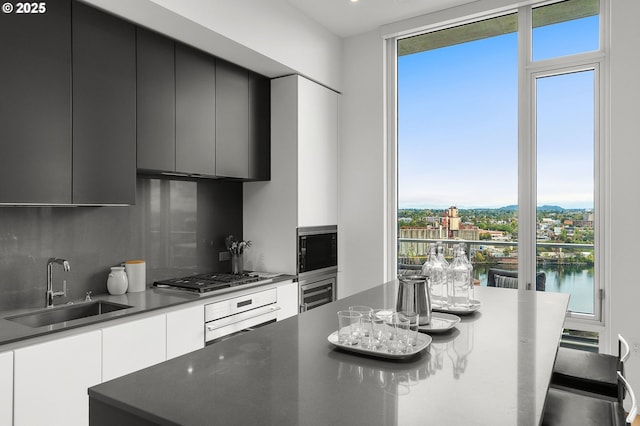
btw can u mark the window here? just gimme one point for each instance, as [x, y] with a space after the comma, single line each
[499, 145]
[565, 176]
[553, 23]
[458, 141]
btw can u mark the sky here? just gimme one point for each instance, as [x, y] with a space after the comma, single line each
[458, 130]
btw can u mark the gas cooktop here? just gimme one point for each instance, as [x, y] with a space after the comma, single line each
[205, 283]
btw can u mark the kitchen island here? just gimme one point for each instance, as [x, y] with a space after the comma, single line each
[493, 368]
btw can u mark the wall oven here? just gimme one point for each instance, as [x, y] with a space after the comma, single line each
[317, 265]
[240, 314]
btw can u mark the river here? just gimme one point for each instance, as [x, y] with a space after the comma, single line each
[577, 280]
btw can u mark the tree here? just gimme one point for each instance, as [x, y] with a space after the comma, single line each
[563, 235]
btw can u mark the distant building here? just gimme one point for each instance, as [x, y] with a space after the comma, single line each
[454, 218]
[420, 249]
[432, 220]
[469, 234]
[583, 223]
[495, 235]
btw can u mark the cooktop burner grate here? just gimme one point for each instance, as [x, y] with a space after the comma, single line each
[206, 282]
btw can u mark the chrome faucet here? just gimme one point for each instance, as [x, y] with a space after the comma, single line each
[50, 293]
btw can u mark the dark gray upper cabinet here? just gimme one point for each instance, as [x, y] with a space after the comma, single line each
[35, 106]
[104, 108]
[156, 101]
[259, 127]
[195, 111]
[232, 120]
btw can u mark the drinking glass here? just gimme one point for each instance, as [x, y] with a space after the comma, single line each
[381, 329]
[365, 331]
[349, 327]
[412, 333]
[397, 342]
[403, 330]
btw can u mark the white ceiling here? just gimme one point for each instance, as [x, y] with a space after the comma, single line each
[346, 18]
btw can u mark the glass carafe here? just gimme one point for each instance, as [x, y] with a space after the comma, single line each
[467, 261]
[438, 276]
[458, 281]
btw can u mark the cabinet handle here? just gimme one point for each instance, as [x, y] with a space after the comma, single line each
[258, 313]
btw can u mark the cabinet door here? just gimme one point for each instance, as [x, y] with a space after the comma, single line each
[317, 154]
[185, 331]
[232, 120]
[6, 388]
[133, 346]
[288, 300]
[259, 127]
[35, 106]
[104, 108]
[195, 111]
[51, 380]
[156, 101]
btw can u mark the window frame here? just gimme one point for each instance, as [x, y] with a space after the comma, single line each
[528, 71]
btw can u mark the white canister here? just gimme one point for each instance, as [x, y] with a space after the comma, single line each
[137, 275]
[117, 283]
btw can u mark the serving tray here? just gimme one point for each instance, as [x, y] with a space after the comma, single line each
[424, 340]
[474, 305]
[440, 323]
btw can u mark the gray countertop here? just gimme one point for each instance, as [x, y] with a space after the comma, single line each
[142, 302]
[493, 368]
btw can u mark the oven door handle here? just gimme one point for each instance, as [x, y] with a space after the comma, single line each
[315, 303]
[244, 316]
[318, 292]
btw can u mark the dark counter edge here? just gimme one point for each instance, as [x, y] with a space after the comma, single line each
[24, 333]
[104, 411]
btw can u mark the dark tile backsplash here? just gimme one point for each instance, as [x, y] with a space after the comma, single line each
[177, 227]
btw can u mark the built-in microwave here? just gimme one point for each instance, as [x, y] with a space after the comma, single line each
[317, 250]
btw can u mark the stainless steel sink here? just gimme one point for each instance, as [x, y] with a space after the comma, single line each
[66, 313]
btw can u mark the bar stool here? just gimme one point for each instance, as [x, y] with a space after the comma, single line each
[588, 371]
[569, 408]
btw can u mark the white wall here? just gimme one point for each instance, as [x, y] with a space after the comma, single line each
[362, 165]
[625, 195]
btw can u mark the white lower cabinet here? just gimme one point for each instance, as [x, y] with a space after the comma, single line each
[133, 346]
[288, 300]
[6, 388]
[185, 331]
[51, 380]
[46, 383]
